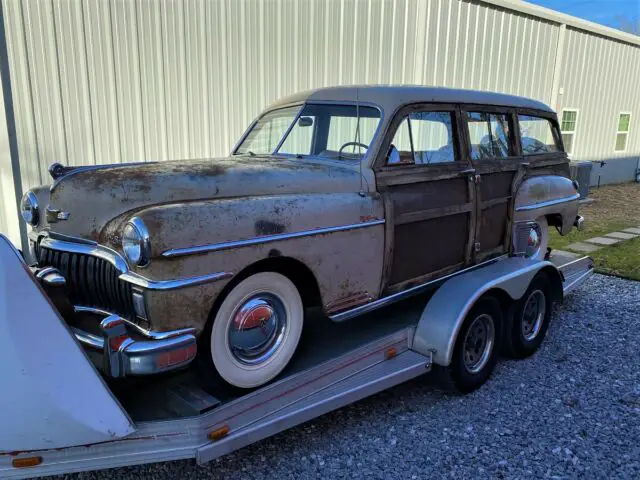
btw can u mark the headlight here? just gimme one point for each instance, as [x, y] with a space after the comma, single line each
[135, 242]
[29, 209]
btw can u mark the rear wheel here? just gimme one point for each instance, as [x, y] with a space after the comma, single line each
[528, 325]
[256, 330]
[476, 350]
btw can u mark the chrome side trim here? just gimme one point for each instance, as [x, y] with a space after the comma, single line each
[396, 297]
[178, 252]
[548, 203]
[152, 335]
[143, 282]
[117, 261]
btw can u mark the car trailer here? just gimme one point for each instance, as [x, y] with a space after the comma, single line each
[58, 414]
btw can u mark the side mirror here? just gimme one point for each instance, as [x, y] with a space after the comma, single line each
[305, 122]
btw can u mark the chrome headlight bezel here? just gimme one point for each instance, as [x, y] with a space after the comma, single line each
[136, 244]
[29, 208]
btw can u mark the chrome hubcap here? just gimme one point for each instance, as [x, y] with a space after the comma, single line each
[478, 343]
[533, 315]
[257, 329]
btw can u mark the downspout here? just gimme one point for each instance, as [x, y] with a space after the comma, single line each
[557, 67]
[11, 129]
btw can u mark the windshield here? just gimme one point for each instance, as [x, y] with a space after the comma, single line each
[333, 131]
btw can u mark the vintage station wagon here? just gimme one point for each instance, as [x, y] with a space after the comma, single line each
[347, 198]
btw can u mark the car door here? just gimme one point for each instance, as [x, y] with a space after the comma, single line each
[491, 148]
[428, 190]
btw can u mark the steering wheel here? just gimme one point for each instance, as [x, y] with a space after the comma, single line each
[357, 144]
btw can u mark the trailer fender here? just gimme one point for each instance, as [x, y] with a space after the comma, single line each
[52, 397]
[442, 318]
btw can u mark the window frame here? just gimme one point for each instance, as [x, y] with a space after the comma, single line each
[555, 131]
[574, 132]
[401, 114]
[618, 132]
[510, 112]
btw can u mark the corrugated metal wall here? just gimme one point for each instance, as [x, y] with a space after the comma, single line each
[600, 78]
[103, 81]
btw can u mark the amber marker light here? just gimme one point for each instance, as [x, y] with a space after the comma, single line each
[26, 462]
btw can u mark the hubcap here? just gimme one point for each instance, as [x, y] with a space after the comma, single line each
[533, 314]
[478, 343]
[257, 329]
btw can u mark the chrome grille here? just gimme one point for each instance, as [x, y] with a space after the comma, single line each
[91, 281]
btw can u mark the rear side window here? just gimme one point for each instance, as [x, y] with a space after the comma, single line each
[536, 135]
[424, 138]
[488, 135]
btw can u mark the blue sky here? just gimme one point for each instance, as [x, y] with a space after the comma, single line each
[599, 11]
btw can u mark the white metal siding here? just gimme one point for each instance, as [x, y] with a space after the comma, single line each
[100, 81]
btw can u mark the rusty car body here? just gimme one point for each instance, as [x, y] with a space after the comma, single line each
[388, 214]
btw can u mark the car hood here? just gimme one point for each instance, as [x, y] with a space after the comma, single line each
[91, 197]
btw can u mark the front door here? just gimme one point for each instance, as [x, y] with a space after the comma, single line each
[491, 148]
[428, 189]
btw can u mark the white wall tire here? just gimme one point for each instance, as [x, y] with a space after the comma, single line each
[256, 330]
[542, 230]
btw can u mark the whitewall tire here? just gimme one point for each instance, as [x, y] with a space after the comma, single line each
[256, 330]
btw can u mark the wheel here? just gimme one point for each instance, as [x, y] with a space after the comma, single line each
[256, 330]
[476, 350]
[538, 239]
[525, 330]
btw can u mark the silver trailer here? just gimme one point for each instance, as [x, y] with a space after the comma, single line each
[59, 416]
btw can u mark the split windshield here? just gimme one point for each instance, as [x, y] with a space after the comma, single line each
[331, 131]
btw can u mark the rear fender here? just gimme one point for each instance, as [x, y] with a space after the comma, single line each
[445, 312]
[52, 397]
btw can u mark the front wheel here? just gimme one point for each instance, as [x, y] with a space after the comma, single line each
[256, 330]
[476, 350]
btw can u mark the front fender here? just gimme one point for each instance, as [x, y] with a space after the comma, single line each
[52, 397]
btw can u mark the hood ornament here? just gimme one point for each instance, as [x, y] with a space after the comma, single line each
[57, 170]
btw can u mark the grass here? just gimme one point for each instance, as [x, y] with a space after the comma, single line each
[615, 207]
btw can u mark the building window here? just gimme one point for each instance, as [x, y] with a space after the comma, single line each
[623, 131]
[568, 128]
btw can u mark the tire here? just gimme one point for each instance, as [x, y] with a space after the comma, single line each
[256, 330]
[465, 375]
[543, 232]
[527, 326]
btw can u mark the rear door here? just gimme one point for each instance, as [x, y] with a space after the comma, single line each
[427, 187]
[491, 148]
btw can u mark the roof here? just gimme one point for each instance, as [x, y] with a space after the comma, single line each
[390, 97]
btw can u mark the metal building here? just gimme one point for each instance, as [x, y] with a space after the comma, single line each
[104, 81]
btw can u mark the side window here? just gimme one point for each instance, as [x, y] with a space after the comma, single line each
[424, 138]
[488, 135]
[536, 135]
[623, 132]
[568, 128]
[300, 138]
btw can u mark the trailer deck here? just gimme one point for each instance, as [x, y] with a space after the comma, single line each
[183, 415]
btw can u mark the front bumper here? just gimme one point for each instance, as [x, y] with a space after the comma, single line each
[121, 350]
[115, 345]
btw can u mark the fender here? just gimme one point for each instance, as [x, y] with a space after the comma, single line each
[445, 312]
[52, 397]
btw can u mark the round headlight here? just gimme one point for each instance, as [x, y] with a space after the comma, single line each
[29, 209]
[135, 242]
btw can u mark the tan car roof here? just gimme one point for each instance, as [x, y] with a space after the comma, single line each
[391, 97]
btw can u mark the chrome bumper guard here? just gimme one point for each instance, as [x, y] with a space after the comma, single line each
[119, 354]
[579, 222]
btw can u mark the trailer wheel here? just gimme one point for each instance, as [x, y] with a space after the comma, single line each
[256, 330]
[476, 350]
[525, 330]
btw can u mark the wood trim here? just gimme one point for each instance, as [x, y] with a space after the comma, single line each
[389, 227]
[397, 287]
[431, 213]
[495, 201]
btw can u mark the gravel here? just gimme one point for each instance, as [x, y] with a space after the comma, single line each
[573, 409]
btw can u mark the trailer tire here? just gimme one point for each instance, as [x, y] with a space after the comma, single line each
[473, 361]
[527, 326]
[256, 330]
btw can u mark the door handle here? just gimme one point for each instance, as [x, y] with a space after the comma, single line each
[468, 171]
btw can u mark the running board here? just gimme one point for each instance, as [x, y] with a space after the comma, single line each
[367, 382]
